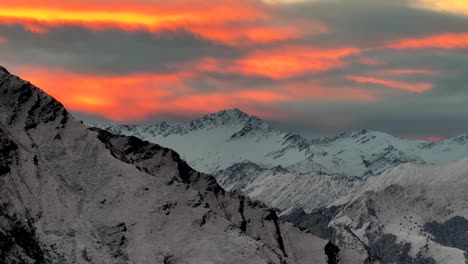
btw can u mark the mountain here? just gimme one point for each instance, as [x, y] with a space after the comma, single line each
[284, 169]
[70, 194]
[398, 200]
[409, 214]
[219, 140]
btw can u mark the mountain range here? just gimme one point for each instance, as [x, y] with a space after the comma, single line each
[219, 140]
[109, 193]
[399, 200]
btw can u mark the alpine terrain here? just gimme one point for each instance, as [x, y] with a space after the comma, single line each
[397, 200]
[70, 194]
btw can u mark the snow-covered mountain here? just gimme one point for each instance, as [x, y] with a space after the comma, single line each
[218, 141]
[409, 214]
[70, 194]
[284, 169]
[402, 201]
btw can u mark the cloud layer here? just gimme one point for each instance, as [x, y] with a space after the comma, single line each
[317, 67]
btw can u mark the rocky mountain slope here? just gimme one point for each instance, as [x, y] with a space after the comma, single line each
[74, 195]
[284, 189]
[409, 214]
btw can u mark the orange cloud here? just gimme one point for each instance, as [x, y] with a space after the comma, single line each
[291, 61]
[115, 97]
[280, 63]
[133, 14]
[410, 87]
[134, 97]
[443, 41]
[250, 33]
[410, 72]
[35, 28]
[230, 22]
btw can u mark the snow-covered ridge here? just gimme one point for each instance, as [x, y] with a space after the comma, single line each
[219, 140]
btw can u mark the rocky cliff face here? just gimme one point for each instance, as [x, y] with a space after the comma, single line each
[70, 194]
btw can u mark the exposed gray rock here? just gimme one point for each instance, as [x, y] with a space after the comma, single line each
[387, 250]
[451, 233]
[8, 153]
[315, 222]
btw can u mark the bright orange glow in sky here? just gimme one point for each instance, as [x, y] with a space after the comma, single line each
[290, 61]
[444, 41]
[411, 87]
[230, 22]
[132, 14]
[281, 63]
[137, 96]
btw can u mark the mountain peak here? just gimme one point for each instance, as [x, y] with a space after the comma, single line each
[4, 70]
[234, 113]
[25, 107]
[233, 116]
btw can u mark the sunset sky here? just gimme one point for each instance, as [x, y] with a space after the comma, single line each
[317, 67]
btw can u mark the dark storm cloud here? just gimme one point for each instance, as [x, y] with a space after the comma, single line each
[105, 51]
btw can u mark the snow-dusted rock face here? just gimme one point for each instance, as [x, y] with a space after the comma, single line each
[283, 189]
[74, 195]
[408, 214]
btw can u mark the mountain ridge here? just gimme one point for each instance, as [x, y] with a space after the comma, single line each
[371, 152]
